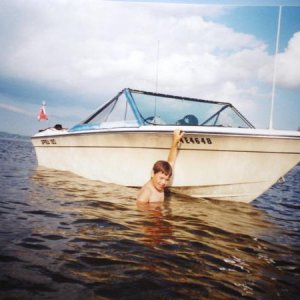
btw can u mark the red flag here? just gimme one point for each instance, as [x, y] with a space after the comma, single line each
[42, 113]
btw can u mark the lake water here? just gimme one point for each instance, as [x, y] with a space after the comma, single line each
[66, 237]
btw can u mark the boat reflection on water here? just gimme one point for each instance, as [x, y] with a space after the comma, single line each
[97, 236]
[109, 199]
[178, 219]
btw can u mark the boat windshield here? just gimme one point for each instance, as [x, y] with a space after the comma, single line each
[131, 108]
[116, 113]
[156, 109]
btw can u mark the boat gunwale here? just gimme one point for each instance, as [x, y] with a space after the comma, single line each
[166, 148]
[259, 133]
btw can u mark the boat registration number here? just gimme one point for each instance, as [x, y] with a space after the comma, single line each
[48, 142]
[196, 140]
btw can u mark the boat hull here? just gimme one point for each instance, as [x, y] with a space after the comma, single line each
[233, 165]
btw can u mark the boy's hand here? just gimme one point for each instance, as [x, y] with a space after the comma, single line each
[177, 136]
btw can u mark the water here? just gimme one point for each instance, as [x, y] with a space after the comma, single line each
[66, 237]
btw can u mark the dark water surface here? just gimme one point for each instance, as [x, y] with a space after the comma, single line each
[66, 237]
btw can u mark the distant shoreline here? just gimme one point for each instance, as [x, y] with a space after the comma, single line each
[13, 136]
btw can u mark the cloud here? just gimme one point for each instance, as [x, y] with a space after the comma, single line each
[287, 66]
[89, 46]
[288, 74]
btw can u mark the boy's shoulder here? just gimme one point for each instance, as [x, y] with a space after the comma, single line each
[148, 193]
[145, 193]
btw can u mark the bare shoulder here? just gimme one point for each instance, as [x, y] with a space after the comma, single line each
[144, 193]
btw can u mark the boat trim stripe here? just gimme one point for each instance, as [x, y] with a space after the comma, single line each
[187, 132]
[161, 148]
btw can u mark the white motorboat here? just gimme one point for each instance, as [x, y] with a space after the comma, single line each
[222, 156]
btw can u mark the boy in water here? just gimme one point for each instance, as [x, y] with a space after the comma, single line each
[153, 190]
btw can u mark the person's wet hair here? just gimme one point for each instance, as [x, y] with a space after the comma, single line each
[162, 166]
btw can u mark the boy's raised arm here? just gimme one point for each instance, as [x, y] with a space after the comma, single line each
[177, 135]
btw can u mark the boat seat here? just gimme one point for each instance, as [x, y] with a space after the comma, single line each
[188, 120]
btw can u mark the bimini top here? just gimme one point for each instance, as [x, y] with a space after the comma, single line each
[133, 108]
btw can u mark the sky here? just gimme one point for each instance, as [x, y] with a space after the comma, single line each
[77, 54]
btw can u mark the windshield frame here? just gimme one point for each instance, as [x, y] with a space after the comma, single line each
[222, 106]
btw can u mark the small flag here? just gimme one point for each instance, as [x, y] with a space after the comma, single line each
[42, 113]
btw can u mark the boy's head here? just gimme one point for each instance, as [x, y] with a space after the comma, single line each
[163, 167]
[161, 174]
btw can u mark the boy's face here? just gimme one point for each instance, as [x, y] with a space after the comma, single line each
[160, 180]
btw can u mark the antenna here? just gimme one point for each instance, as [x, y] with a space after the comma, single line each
[156, 80]
[157, 63]
[275, 69]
